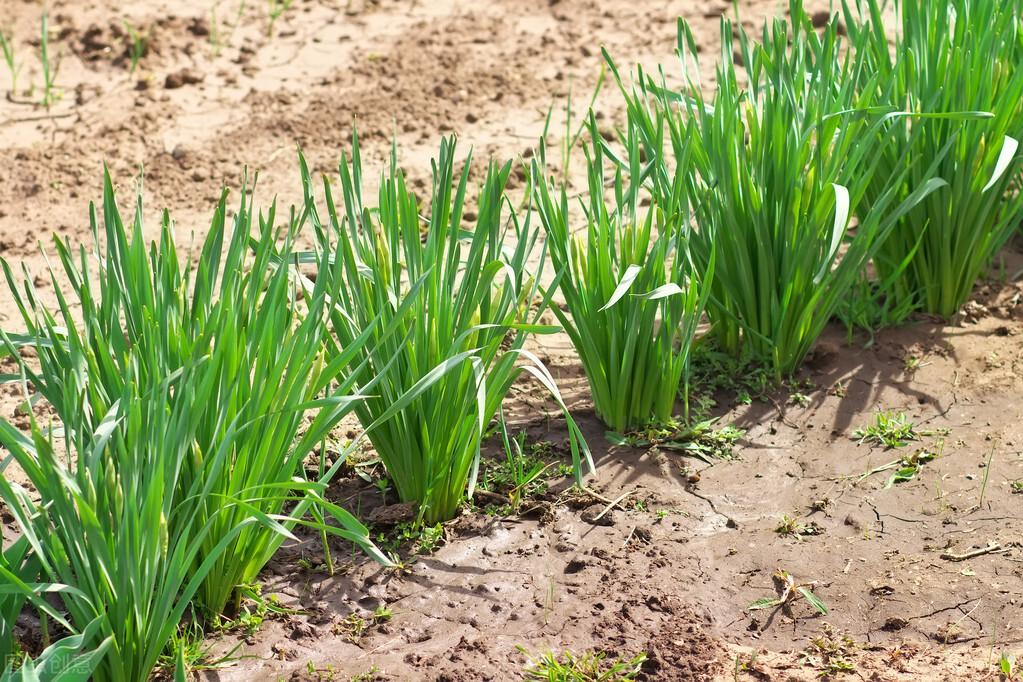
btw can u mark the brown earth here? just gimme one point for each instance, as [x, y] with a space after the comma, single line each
[669, 571]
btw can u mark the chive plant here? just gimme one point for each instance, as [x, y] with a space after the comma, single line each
[633, 300]
[177, 470]
[19, 574]
[780, 165]
[69, 659]
[461, 301]
[955, 63]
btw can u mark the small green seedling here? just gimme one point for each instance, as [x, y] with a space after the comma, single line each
[744, 663]
[139, 45]
[420, 538]
[799, 398]
[13, 68]
[1007, 667]
[355, 626]
[382, 485]
[789, 526]
[50, 67]
[789, 591]
[520, 474]
[906, 468]
[367, 676]
[275, 9]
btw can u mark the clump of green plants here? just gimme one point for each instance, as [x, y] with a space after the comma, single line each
[632, 293]
[890, 429]
[446, 308]
[72, 657]
[970, 125]
[182, 396]
[17, 567]
[778, 168]
[416, 537]
[589, 667]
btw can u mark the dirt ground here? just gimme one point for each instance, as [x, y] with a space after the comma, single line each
[671, 570]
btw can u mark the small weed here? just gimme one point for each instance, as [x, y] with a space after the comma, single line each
[788, 591]
[829, 653]
[382, 484]
[248, 621]
[744, 663]
[1016, 486]
[216, 39]
[799, 398]
[590, 667]
[701, 440]
[912, 363]
[987, 475]
[789, 526]
[354, 626]
[423, 539]
[890, 429]
[523, 474]
[139, 46]
[50, 67]
[1007, 667]
[188, 652]
[367, 676]
[275, 8]
[429, 539]
[712, 372]
[906, 468]
[13, 68]
[325, 674]
[220, 38]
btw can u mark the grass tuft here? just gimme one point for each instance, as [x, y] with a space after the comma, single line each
[447, 306]
[939, 248]
[630, 287]
[181, 390]
[780, 165]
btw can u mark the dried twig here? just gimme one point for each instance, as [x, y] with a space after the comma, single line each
[992, 548]
[612, 504]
